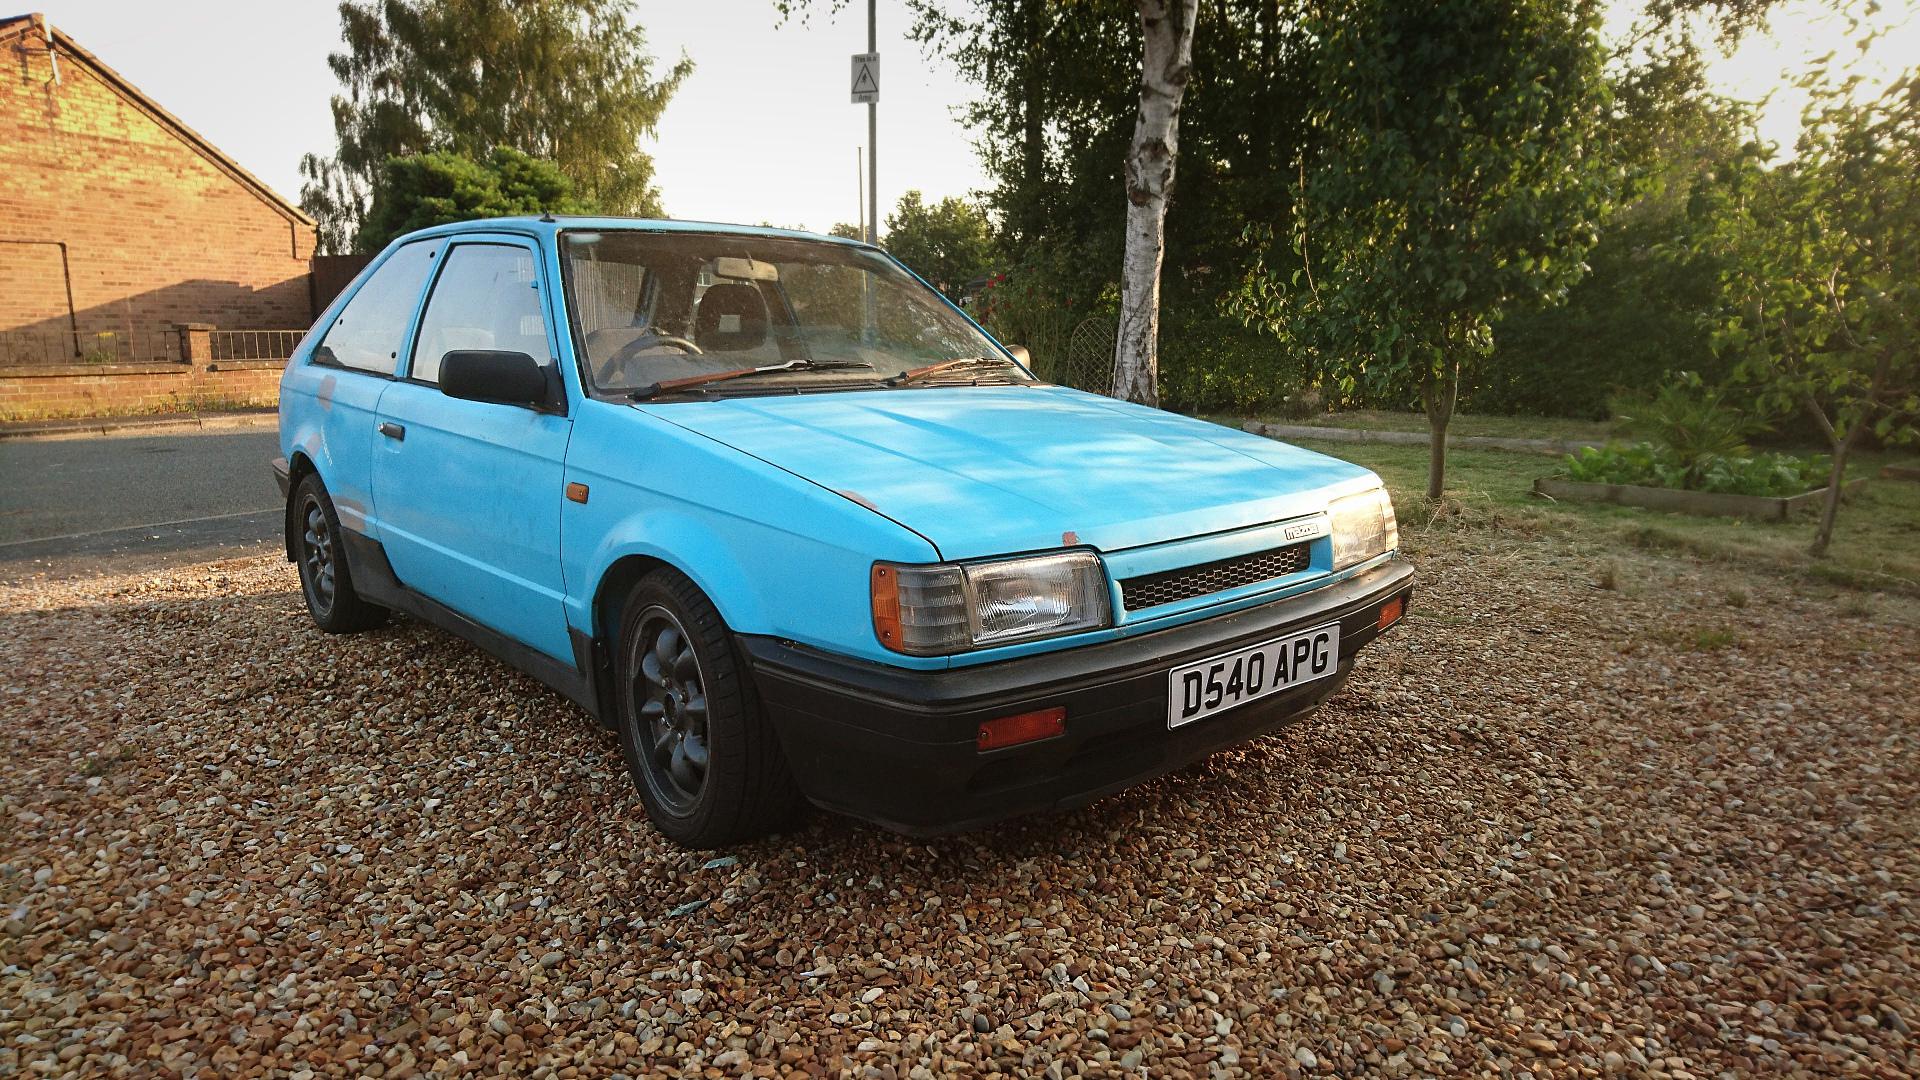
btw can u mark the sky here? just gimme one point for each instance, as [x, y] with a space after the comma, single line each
[762, 131]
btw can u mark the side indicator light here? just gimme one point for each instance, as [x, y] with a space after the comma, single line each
[886, 606]
[1023, 727]
[577, 492]
[1391, 611]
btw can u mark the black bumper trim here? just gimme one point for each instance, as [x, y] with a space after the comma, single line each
[896, 746]
[283, 475]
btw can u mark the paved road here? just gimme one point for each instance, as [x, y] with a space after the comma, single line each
[124, 503]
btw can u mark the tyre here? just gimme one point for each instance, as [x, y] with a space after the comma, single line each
[707, 763]
[324, 578]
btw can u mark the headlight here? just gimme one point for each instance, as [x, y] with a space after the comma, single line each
[953, 607]
[1363, 526]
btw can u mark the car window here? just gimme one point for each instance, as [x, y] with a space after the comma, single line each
[487, 297]
[368, 332]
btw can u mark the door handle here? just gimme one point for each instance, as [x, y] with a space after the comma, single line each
[392, 430]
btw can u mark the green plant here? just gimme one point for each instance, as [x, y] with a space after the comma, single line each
[568, 81]
[1776, 475]
[1821, 299]
[1038, 303]
[949, 242]
[1690, 421]
[431, 189]
[105, 348]
[1461, 176]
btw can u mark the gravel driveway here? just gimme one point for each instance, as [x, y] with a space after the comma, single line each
[1549, 828]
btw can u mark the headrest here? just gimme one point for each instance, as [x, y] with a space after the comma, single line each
[732, 316]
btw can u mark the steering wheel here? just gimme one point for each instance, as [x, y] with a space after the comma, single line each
[651, 339]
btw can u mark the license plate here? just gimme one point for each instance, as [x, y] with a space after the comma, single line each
[1197, 691]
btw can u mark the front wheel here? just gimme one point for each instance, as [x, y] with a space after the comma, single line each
[707, 763]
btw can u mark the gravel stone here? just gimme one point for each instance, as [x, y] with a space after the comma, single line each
[1539, 833]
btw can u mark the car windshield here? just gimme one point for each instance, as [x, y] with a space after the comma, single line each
[659, 311]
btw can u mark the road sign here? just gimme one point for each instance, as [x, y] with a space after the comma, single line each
[866, 78]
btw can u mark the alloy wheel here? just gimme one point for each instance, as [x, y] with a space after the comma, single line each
[317, 554]
[668, 708]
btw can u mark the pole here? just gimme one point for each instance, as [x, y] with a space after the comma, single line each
[873, 142]
[859, 185]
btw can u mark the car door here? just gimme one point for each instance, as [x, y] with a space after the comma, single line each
[352, 368]
[469, 492]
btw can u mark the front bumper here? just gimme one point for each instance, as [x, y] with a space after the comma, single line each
[897, 747]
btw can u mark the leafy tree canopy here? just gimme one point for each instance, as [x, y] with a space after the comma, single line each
[949, 242]
[564, 80]
[1461, 170]
[433, 189]
[1057, 91]
[1821, 286]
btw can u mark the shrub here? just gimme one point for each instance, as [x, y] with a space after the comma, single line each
[1776, 475]
[1691, 421]
[1212, 363]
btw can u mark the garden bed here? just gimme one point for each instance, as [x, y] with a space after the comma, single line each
[1677, 500]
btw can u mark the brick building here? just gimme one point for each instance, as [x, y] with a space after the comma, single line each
[118, 223]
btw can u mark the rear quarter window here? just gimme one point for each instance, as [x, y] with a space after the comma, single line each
[368, 332]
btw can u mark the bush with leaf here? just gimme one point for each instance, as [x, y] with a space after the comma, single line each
[1693, 423]
[433, 189]
[1820, 300]
[1647, 465]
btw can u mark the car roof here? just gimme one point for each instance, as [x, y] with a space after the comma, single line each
[550, 224]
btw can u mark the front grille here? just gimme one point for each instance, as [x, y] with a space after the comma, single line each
[1171, 586]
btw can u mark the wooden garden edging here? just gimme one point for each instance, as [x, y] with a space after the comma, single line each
[1708, 503]
[1415, 438]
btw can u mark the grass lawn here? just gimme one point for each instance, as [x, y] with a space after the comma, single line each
[1876, 544]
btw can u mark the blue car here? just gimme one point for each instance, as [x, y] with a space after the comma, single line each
[799, 530]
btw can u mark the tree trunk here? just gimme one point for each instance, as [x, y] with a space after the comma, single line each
[1168, 28]
[1830, 508]
[1033, 116]
[1438, 393]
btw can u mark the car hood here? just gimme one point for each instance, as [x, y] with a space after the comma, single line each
[983, 471]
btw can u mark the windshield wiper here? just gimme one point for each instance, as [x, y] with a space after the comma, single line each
[916, 374]
[667, 386]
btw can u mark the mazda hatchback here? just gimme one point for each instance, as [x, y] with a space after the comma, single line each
[800, 531]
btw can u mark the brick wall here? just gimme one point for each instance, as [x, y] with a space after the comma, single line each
[44, 391]
[156, 230]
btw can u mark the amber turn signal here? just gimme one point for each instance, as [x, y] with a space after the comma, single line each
[1020, 728]
[1391, 611]
[886, 605]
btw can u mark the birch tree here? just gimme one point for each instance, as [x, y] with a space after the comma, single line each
[1166, 62]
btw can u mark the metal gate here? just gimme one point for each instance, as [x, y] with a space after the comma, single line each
[1088, 364]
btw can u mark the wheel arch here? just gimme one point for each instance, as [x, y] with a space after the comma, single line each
[610, 594]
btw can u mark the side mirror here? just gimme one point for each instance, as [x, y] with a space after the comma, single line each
[493, 375]
[1021, 354]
